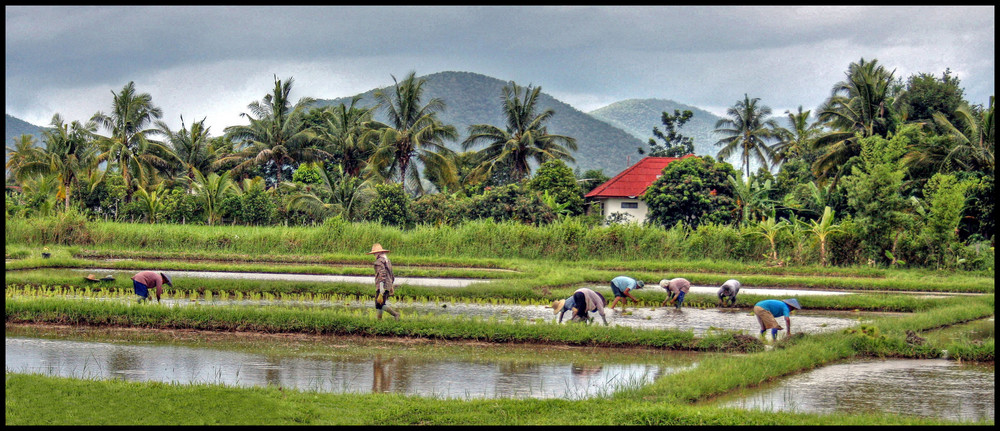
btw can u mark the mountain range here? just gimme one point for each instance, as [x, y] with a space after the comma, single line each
[607, 138]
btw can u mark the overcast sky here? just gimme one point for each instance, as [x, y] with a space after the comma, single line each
[214, 61]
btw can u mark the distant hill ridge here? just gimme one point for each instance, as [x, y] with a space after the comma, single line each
[472, 98]
[639, 116]
[16, 127]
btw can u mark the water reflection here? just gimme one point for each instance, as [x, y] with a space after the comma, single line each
[384, 371]
[931, 388]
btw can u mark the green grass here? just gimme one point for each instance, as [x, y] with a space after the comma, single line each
[44, 400]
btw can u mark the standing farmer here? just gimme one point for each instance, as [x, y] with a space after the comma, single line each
[383, 281]
[728, 292]
[621, 286]
[769, 309]
[580, 304]
[676, 289]
[146, 280]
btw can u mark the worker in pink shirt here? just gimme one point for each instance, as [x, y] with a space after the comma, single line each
[146, 280]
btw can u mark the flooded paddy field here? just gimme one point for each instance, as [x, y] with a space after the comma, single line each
[700, 321]
[975, 331]
[922, 387]
[340, 364]
[179, 276]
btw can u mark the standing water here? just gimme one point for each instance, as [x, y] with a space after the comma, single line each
[386, 368]
[922, 387]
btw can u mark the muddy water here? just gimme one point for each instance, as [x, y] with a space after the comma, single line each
[923, 387]
[180, 275]
[385, 369]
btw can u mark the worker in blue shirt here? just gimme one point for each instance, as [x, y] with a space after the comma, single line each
[769, 309]
[621, 286]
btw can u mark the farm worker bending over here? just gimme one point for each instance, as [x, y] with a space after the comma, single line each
[621, 285]
[769, 309]
[383, 281]
[580, 304]
[146, 280]
[728, 292]
[676, 289]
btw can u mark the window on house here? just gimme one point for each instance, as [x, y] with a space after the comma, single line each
[630, 205]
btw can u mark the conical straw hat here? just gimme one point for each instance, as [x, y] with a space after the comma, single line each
[377, 248]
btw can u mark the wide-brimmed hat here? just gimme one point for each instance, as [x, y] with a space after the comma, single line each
[557, 305]
[92, 277]
[167, 277]
[792, 302]
[377, 248]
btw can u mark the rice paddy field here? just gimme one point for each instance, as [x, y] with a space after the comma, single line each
[273, 336]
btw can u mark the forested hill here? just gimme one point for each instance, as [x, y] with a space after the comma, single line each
[17, 127]
[472, 98]
[639, 116]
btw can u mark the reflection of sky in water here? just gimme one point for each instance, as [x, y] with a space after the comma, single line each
[931, 388]
[378, 372]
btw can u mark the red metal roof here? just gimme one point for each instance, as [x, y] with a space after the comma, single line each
[634, 180]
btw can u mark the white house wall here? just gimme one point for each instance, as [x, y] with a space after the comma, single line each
[614, 205]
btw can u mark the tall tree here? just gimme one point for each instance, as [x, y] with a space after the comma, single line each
[975, 141]
[747, 130]
[798, 138]
[276, 133]
[674, 144]
[413, 132]
[859, 106]
[23, 152]
[525, 137]
[70, 153]
[192, 147]
[129, 147]
[344, 130]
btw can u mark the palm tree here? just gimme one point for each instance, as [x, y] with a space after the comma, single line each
[973, 149]
[751, 197]
[822, 229]
[797, 139]
[192, 147]
[524, 139]
[860, 106]
[277, 133]
[23, 152]
[129, 148]
[213, 189]
[151, 201]
[770, 228]
[413, 132]
[345, 131]
[748, 129]
[345, 193]
[69, 154]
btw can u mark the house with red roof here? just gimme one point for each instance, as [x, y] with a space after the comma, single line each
[623, 193]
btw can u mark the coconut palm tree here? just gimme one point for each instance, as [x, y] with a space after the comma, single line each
[823, 229]
[345, 131]
[747, 130]
[347, 194]
[798, 138]
[69, 154]
[277, 133]
[213, 189]
[751, 197]
[151, 201]
[973, 149]
[129, 147]
[192, 147]
[23, 152]
[412, 133]
[524, 139]
[859, 106]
